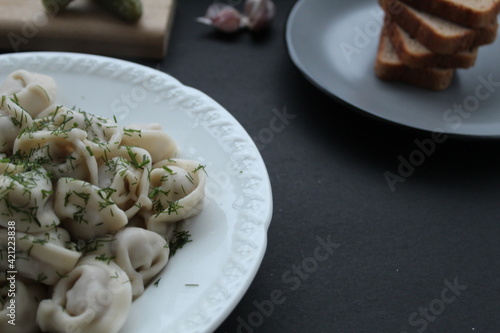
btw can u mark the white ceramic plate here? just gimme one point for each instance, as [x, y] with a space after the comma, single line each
[230, 234]
[334, 44]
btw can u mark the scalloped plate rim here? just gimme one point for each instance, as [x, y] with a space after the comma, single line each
[243, 282]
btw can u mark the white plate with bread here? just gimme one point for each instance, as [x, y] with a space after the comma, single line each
[434, 68]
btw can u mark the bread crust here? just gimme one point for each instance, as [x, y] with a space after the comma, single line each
[414, 54]
[389, 67]
[470, 14]
[437, 34]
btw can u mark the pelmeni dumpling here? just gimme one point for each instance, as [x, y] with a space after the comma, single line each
[141, 253]
[166, 230]
[63, 153]
[13, 120]
[33, 91]
[67, 142]
[43, 257]
[102, 134]
[126, 171]
[26, 198]
[151, 137]
[20, 316]
[177, 191]
[86, 210]
[95, 297]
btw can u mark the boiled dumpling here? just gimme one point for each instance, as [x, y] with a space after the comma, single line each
[102, 134]
[33, 91]
[95, 297]
[126, 171]
[151, 137]
[64, 154]
[43, 257]
[28, 295]
[26, 198]
[85, 210]
[141, 253]
[13, 120]
[177, 191]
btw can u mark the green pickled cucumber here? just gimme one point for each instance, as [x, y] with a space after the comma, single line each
[128, 10]
[55, 6]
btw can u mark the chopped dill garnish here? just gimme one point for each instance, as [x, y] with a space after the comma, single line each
[200, 167]
[133, 159]
[103, 257]
[129, 131]
[179, 240]
[91, 153]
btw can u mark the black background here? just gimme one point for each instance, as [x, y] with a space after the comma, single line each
[397, 248]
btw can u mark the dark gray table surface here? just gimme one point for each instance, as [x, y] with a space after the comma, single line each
[422, 258]
[345, 252]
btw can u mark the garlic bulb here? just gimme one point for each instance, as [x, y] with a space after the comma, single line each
[223, 17]
[258, 14]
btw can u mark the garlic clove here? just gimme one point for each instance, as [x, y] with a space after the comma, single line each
[223, 17]
[258, 14]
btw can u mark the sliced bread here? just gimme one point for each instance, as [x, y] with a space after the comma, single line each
[413, 53]
[389, 67]
[470, 13]
[437, 34]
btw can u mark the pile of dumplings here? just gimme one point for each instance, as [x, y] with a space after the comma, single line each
[95, 207]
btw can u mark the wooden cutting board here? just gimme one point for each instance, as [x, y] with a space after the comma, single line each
[85, 27]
